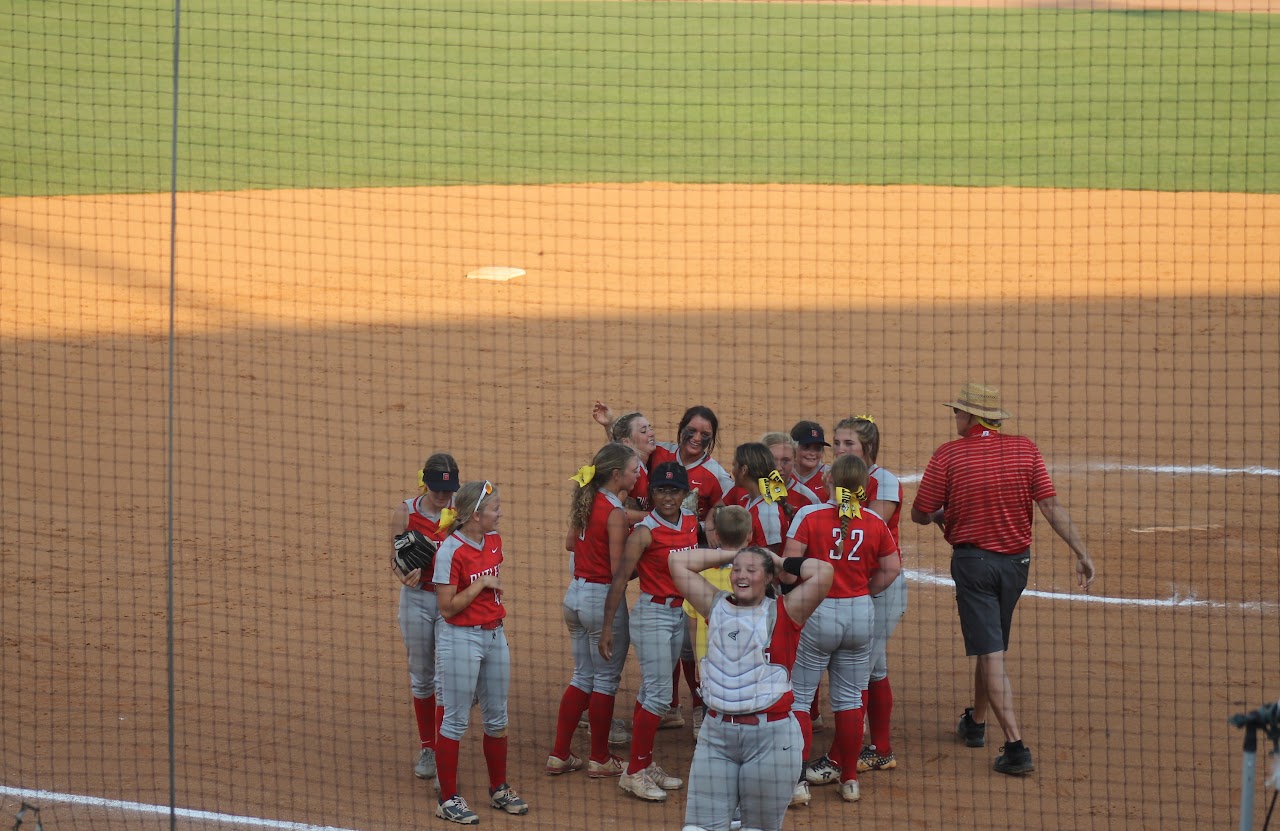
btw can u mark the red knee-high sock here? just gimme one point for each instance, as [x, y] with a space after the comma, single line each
[439, 717]
[879, 708]
[600, 714]
[572, 703]
[690, 669]
[424, 710]
[495, 759]
[675, 687]
[806, 731]
[814, 712]
[643, 733]
[848, 741]
[447, 766]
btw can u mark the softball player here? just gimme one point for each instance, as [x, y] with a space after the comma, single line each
[658, 627]
[865, 558]
[475, 663]
[806, 477]
[635, 431]
[859, 436]
[749, 748]
[770, 512]
[419, 613]
[597, 533]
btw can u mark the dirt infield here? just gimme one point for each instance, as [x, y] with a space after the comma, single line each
[327, 341]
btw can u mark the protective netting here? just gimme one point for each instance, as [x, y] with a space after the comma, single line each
[235, 241]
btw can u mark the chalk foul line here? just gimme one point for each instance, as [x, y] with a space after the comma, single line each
[160, 810]
[929, 578]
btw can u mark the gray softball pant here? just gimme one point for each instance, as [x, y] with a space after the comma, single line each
[583, 610]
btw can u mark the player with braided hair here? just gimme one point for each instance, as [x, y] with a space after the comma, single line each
[765, 495]
[419, 613]
[860, 547]
[475, 661]
[860, 436]
[598, 529]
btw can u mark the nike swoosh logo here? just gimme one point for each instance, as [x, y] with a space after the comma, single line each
[788, 747]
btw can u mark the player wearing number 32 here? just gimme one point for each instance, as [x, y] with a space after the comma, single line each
[474, 661]
[980, 489]
[860, 547]
[748, 749]
[658, 626]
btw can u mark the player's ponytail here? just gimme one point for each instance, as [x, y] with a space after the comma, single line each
[849, 473]
[757, 458]
[469, 499]
[608, 460]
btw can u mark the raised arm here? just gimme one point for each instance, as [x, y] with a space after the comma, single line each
[603, 416]
[685, 567]
[811, 588]
[1060, 521]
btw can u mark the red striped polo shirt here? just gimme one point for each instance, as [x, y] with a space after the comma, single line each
[988, 483]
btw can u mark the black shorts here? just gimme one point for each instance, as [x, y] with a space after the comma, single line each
[988, 586]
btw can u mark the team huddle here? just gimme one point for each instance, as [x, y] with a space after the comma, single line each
[753, 582]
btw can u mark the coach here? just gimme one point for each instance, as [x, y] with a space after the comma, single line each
[980, 489]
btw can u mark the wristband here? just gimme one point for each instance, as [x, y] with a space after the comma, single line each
[792, 565]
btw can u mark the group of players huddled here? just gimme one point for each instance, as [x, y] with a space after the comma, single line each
[753, 581]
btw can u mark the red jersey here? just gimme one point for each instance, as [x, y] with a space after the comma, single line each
[881, 484]
[854, 557]
[591, 548]
[768, 522]
[460, 562]
[737, 496]
[421, 521]
[706, 476]
[665, 539]
[988, 483]
[640, 493]
[808, 491]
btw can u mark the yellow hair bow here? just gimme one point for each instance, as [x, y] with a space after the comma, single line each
[860, 494]
[771, 491]
[584, 475]
[868, 419]
[422, 481]
[848, 507]
[447, 518]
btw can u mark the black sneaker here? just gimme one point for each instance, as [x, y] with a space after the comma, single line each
[974, 734]
[1014, 760]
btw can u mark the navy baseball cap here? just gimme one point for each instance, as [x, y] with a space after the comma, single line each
[440, 480]
[669, 475]
[809, 432]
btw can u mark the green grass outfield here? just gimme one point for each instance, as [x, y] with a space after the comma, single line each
[313, 94]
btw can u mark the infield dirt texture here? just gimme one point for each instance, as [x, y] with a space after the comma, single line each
[1077, 205]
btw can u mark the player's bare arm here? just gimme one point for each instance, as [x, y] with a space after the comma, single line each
[625, 568]
[685, 567]
[811, 588]
[890, 568]
[452, 601]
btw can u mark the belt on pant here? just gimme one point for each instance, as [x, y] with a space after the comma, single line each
[748, 718]
[673, 602]
[427, 586]
[493, 624]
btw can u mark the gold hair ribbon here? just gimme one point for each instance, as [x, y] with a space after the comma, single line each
[447, 517]
[848, 507]
[868, 419]
[860, 494]
[778, 485]
[422, 481]
[584, 475]
[767, 491]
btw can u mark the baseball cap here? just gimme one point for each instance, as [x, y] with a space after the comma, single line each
[440, 480]
[669, 475]
[809, 432]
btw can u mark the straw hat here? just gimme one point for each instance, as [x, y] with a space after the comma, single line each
[980, 400]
